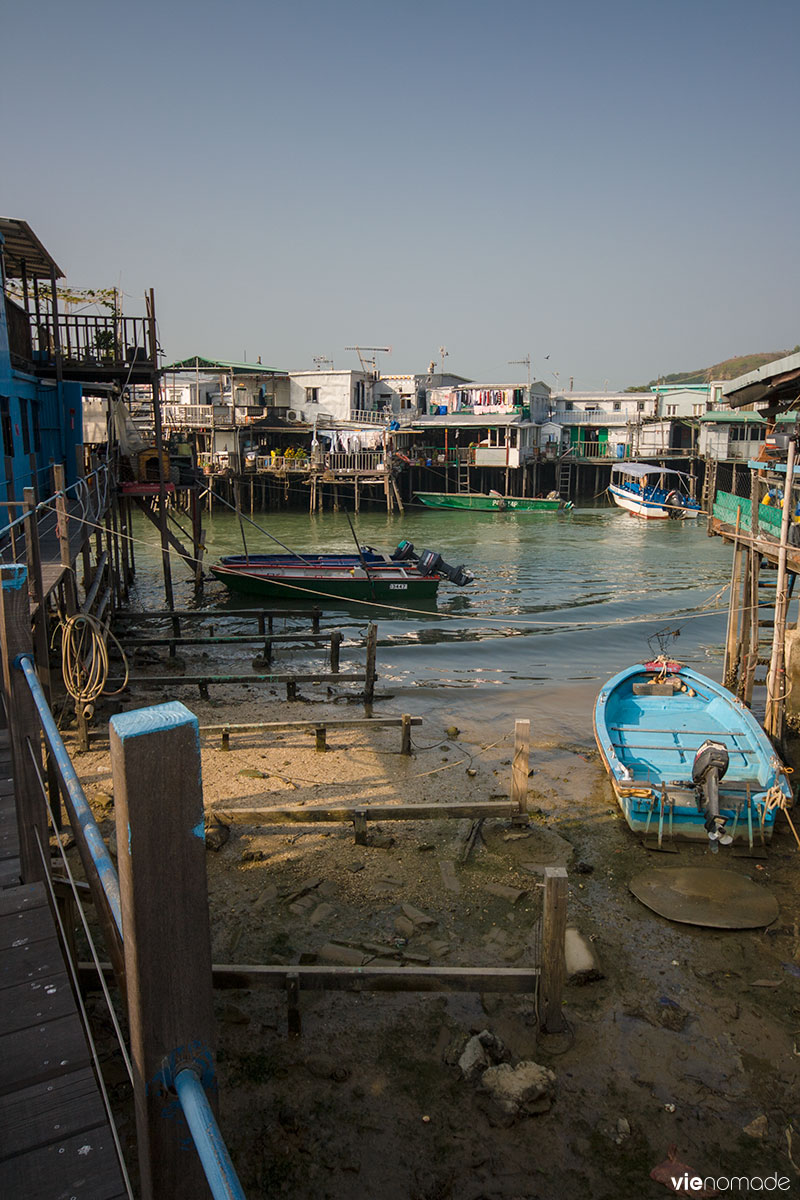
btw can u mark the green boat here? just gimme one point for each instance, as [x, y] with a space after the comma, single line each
[493, 502]
[368, 575]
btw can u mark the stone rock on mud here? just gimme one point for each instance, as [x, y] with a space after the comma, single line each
[757, 1128]
[519, 1091]
[481, 1052]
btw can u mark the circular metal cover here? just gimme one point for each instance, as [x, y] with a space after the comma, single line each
[705, 896]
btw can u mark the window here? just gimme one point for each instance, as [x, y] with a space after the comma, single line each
[640, 405]
[617, 405]
[672, 410]
[312, 395]
[23, 420]
[568, 406]
[5, 421]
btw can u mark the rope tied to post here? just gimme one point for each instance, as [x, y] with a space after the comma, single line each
[776, 798]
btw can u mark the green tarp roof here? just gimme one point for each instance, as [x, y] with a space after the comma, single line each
[224, 365]
[727, 417]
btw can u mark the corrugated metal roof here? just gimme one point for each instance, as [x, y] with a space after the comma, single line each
[198, 363]
[775, 384]
[22, 247]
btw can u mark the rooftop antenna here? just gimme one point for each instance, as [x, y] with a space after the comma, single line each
[522, 362]
[443, 354]
[369, 365]
[320, 359]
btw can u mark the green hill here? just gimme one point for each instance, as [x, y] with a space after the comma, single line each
[731, 368]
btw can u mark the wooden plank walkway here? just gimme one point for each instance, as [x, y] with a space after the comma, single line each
[55, 1139]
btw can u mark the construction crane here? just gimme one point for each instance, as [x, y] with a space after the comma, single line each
[367, 363]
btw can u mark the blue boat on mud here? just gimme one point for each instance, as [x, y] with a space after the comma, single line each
[686, 758]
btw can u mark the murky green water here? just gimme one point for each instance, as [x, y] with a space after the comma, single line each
[557, 600]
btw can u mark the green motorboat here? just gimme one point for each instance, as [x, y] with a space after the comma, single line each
[493, 502]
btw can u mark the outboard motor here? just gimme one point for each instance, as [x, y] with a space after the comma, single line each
[674, 503]
[709, 766]
[431, 563]
[404, 551]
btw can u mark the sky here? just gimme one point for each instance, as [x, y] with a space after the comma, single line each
[612, 189]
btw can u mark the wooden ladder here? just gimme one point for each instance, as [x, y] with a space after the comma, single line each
[565, 478]
[463, 476]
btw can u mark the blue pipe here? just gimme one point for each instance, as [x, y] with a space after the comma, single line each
[211, 1149]
[106, 871]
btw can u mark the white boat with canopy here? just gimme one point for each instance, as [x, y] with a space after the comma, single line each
[649, 490]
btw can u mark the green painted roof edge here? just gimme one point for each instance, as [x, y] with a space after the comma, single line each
[197, 362]
[730, 417]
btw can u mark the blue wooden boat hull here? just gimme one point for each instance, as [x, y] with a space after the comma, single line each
[648, 743]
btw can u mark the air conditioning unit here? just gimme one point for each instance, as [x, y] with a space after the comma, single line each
[292, 415]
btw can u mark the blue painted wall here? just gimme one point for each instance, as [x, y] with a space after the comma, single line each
[36, 417]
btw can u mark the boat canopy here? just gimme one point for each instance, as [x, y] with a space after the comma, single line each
[639, 470]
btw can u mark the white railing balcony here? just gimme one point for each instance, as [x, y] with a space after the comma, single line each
[360, 460]
[187, 416]
[595, 417]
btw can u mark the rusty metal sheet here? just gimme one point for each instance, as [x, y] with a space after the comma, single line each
[706, 896]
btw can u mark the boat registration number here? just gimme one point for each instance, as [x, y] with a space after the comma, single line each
[398, 587]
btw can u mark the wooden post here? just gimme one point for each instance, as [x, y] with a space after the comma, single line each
[320, 736]
[336, 641]
[198, 539]
[41, 632]
[158, 798]
[369, 682]
[125, 541]
[405, 735]
[23, 721]
[360, 826]
[397, 494]
[521, 766]
[81, 469]
[730, 664]
[70, 590]
[294, 1022]
[753, 639]
[776, 678]
[554, 928]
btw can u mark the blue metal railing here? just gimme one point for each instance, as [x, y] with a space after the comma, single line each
[209, 1143]
[83, 814]
[213, 1153]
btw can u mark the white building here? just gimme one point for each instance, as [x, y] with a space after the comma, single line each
[731, 435]
[334, 395]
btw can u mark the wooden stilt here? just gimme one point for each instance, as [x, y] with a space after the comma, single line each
[554, 928]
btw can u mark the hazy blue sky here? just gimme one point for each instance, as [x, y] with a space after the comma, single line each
[615, 185]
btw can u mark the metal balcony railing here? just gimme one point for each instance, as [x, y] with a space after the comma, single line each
[112, 341]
